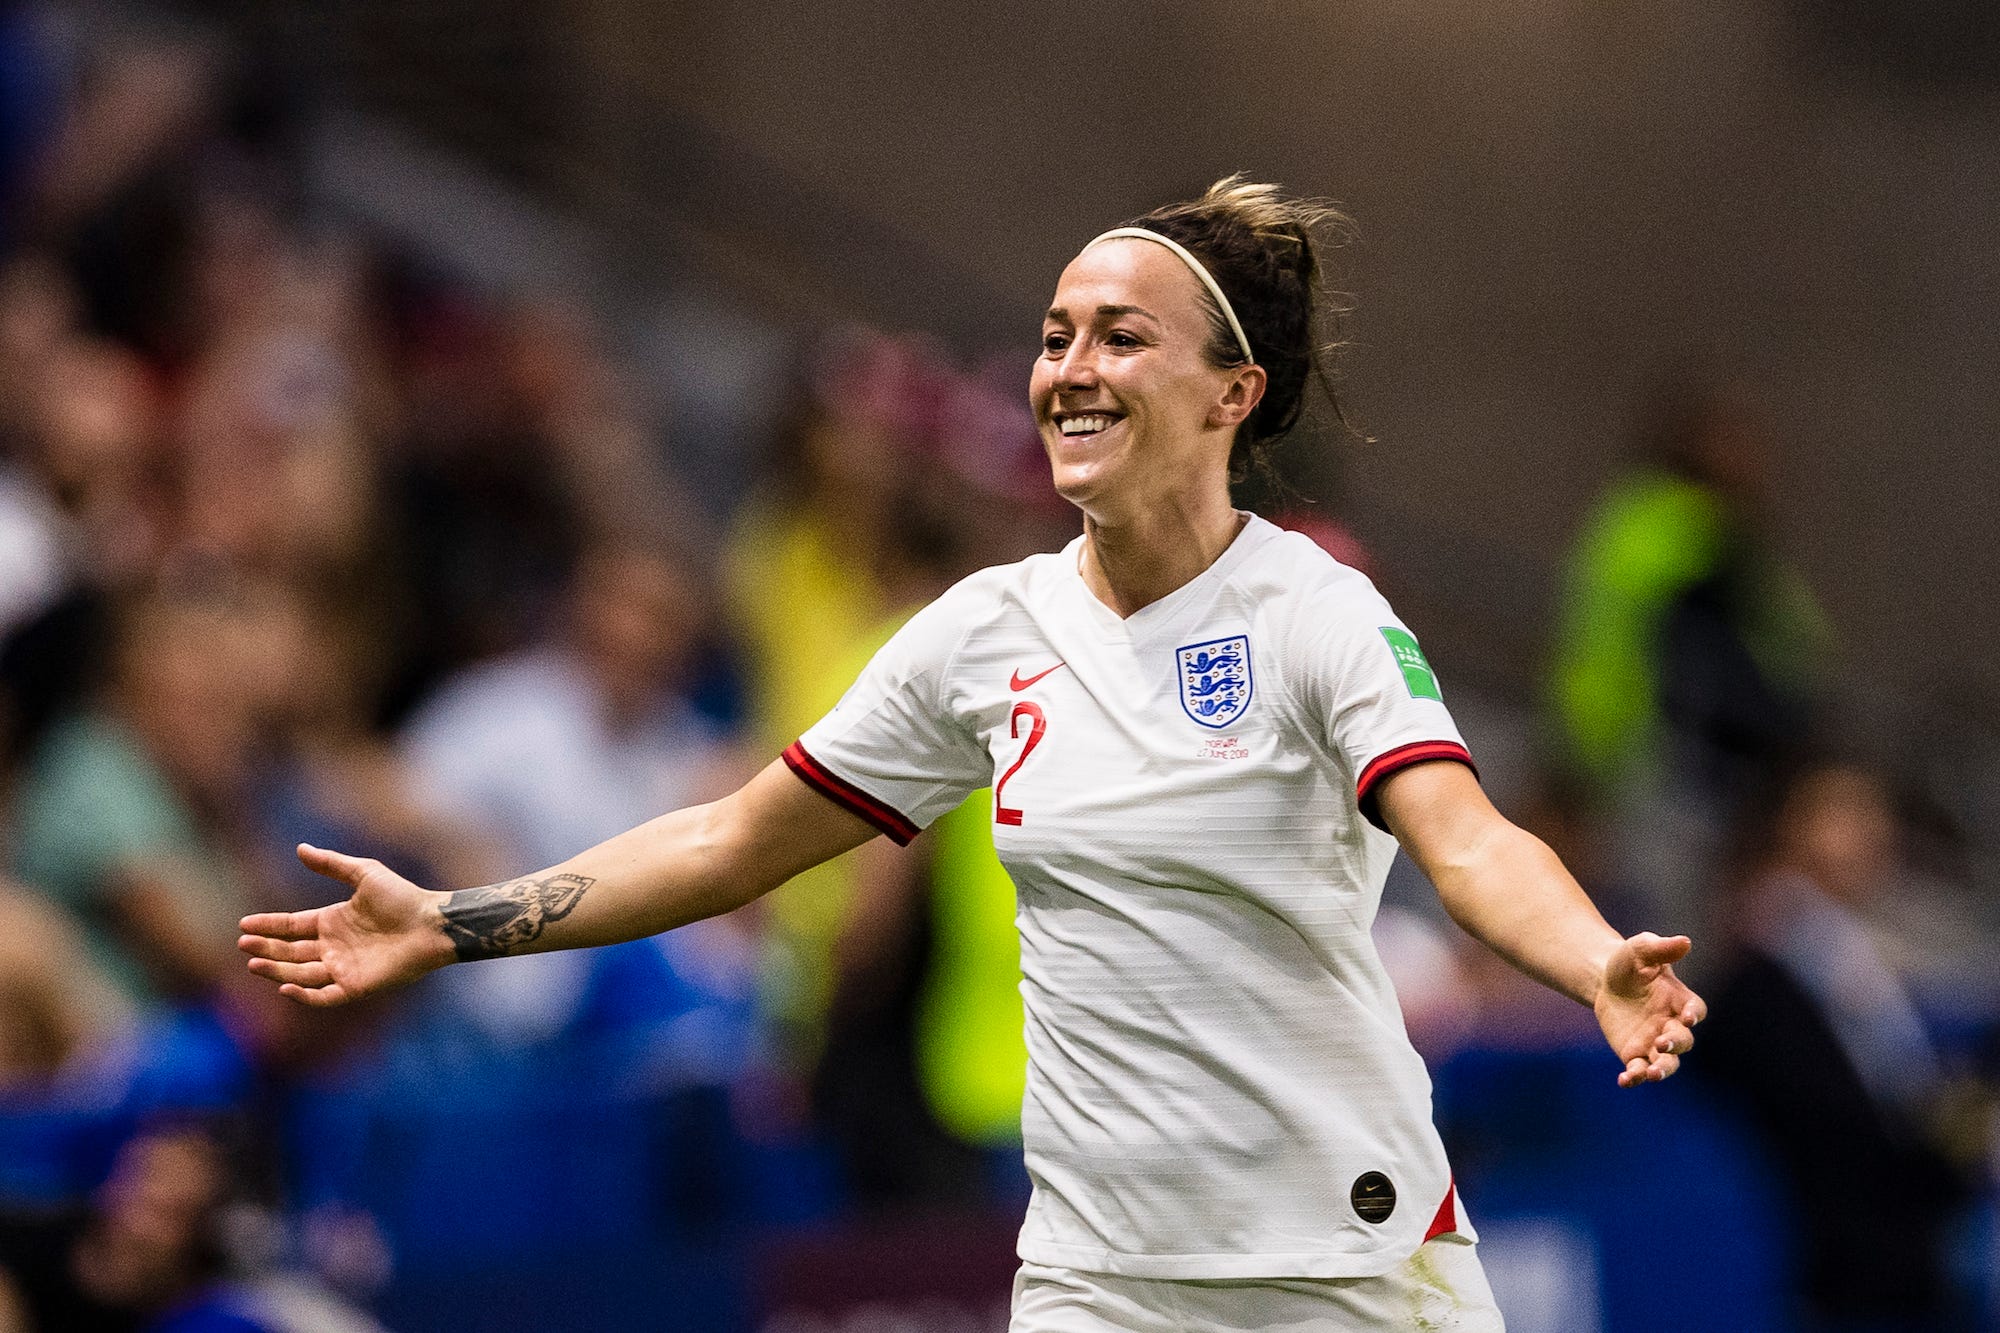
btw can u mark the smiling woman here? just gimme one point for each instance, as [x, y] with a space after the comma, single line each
[1206, 739]
[1131, 344]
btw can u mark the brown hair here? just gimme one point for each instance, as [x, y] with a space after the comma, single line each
[1260, 244]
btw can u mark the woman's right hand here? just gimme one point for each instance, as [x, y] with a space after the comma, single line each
[389, 933]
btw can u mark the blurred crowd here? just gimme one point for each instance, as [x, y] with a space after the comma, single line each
[303, 539]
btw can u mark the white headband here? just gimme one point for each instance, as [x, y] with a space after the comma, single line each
[1187, 257]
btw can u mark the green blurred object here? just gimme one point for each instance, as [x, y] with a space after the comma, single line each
[972, 1059]
[1653, 540]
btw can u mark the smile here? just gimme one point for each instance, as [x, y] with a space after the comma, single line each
[1084, 423]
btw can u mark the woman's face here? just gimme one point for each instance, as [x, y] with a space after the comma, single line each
[1130, 411]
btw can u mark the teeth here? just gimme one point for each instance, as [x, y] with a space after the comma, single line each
[1085, 425]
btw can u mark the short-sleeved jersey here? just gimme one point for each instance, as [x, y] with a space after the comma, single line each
[1219, 1080]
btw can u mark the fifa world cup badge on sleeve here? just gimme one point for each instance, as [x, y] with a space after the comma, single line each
[1215, 679]
[1417, 673]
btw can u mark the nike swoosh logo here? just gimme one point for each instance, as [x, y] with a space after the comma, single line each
[1016, 683]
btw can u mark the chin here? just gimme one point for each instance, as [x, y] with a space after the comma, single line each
[1079, 486]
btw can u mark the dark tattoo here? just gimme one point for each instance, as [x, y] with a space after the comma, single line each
[496, 920]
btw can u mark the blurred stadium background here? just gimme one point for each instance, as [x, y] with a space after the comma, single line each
[454, 431]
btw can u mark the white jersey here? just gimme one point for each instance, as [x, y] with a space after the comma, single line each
[1219, 1082]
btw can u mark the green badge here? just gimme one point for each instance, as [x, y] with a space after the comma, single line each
[1417, 673]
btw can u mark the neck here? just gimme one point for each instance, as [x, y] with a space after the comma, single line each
[1134, 562]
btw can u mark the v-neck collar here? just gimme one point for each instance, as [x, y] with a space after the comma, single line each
[1155, 612]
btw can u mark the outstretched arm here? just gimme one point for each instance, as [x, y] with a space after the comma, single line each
[1508, 890]
[692, 863]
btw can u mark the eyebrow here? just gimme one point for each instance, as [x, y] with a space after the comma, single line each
[1056, 312]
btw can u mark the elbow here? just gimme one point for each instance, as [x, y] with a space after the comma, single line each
[1471, 873]
[728, 852]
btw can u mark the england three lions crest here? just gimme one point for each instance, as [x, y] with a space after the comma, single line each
[1215, 679]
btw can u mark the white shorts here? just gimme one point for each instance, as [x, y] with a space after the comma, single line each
[1439, 1289]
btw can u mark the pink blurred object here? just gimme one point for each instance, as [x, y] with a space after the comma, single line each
[986, 434]
[879, 380]
[1330, 535]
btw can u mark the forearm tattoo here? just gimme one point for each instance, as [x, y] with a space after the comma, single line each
[496, 920]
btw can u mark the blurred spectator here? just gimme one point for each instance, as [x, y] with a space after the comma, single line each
[93, 442]
[93, 498]
[805, 586]
[160, 134]
[138, 813]
[805, 563]
[516, 447]
[570, 388]
[1820, 1041]
[145, 1255]
[925, 1063]
[56, 1006]
[150, 1253]
[327, 776]
[564, 744]
[1689, 652]
[276, 471]
[128, 811]
[35, 317]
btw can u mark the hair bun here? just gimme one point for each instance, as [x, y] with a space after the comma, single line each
[1263, 248]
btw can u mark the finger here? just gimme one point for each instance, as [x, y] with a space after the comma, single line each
[283, 951]
[297, 974]
[282, 925]
[1635, 1073]
[319, 997]
[1654, 951]
[1674, 1036]
[349, 870]
[1694, 1010]
[1662, 1068]
[1674, 1039]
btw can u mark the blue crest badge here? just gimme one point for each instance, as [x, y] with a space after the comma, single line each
[1215, 679]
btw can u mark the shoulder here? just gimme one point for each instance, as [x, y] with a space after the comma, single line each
[1296, 584]
[930, 641]
[989, 594]
[1036, 573]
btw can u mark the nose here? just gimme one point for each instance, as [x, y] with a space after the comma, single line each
[1078, 367]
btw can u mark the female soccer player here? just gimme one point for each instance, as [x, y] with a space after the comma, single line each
[1205, 739]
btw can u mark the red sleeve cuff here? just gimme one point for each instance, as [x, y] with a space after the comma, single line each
[848, 796]
[1395, 761]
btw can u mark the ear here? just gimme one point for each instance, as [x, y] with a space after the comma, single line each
[1239, 397]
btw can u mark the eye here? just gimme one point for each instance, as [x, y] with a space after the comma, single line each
[1120, 338]
[1053, 341]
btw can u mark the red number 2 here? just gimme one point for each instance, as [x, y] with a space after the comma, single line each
[1003, 814]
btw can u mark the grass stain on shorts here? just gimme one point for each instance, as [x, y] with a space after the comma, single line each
[1433, 1304]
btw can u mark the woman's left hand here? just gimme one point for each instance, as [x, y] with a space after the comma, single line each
[1647, 1013]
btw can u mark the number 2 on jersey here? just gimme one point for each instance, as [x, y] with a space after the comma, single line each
[1002, 812]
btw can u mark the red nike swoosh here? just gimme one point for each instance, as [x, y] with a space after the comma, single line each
[1016, 683]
